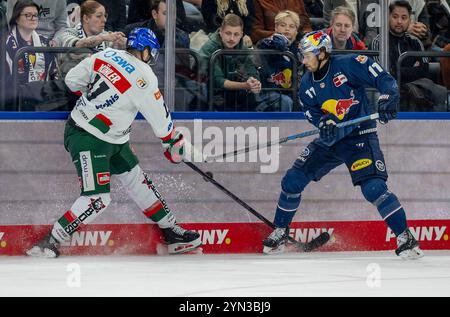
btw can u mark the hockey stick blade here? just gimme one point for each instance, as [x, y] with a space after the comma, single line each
[306, 247]
[316, 243]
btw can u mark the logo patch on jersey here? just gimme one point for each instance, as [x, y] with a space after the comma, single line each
[339, 80]
[111, 74]
[119, 60]
[141, 83]
[360, 164]
[339, 107]
[103, 178]
[380, 166]
[158, 95]
[362, 59]
[87, 172]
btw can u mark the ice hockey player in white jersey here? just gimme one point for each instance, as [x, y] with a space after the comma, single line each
[113, 87]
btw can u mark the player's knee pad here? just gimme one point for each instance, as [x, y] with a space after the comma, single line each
[142, 190]
[375, 191]
[373, 188]
[294, 182]
[84, 210]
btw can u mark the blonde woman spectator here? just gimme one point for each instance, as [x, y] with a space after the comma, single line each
[90, 32]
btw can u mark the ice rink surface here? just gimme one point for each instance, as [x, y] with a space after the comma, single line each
[253, 275]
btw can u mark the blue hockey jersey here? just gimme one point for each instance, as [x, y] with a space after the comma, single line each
[342, 92]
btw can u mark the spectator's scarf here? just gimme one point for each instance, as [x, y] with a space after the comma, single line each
[82, 35]
[31, 63]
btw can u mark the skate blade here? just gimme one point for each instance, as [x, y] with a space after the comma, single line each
[272, 251]
[177, 248]
[38, 253]
[413, 254]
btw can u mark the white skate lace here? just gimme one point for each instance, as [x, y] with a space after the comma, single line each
[277, 234]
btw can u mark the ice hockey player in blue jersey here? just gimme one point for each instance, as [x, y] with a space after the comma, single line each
[333, 91]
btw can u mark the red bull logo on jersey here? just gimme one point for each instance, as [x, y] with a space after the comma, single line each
[340, 108]
[282, 79]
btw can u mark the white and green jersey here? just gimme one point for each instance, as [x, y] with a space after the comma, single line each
[114, 86]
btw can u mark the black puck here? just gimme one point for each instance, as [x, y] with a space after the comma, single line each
[210, 175]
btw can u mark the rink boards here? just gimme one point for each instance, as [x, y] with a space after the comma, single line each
[38, 184]
[219, 238]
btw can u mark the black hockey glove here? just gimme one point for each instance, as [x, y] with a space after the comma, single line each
[327, 126]
[387, 108]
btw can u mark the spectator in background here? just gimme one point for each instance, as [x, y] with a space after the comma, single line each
[138, 11]
[420, 20]
[439, 23]
[89, 33]
[234, 76]
[33, 69]
[418, 92]
[157, 23]
[31, 66]
[52, 16]
[277, 70]
[214, 11]
[265, 12]
[184, 76]
[341, 31]
[367, 16]
[115, 9]
[193, 14]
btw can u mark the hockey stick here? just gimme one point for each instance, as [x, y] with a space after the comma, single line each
[306, 247]
[288, 138]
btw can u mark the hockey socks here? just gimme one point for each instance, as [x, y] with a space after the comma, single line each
[83, 211]
[286, 209]
[393, 214]
[375, 191]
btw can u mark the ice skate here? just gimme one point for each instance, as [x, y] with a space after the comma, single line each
[180, 240]
[408, 247]
[276, 241]
[46, 248]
